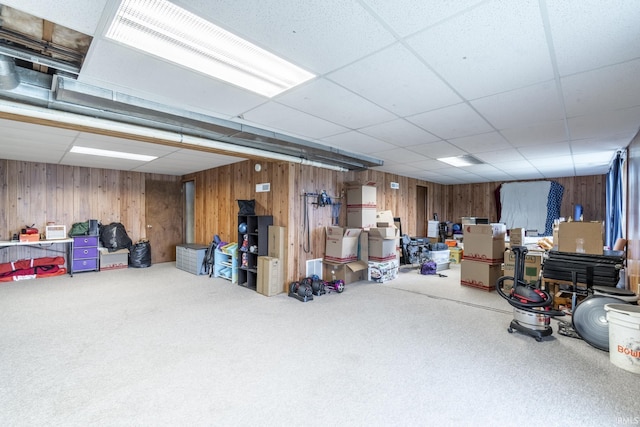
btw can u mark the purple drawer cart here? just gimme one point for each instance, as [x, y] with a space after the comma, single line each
[85, 254]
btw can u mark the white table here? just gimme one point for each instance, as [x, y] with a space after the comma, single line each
[45, 244]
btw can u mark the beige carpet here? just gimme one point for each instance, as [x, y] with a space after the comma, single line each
[162, 347]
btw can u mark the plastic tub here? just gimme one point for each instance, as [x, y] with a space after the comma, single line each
[624, 336]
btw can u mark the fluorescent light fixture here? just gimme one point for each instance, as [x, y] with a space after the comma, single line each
[107, 153]
[460, 161]
[165, 30]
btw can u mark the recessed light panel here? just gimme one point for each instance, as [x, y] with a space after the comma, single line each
[165, 30]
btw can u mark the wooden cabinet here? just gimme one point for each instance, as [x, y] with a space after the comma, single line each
[84, 254]
[253, 237]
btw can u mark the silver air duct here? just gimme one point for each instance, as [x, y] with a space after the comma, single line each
[8, 76]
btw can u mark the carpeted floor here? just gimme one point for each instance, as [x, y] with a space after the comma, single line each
[159, 346]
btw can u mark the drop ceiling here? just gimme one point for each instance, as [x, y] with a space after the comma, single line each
[534, 89]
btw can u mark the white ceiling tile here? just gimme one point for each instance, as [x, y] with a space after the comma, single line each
[505, 155]
[535, 103]
[318, 36]
[357, 142]
[496, 47]
[397, 81]
[436, 150]
[414, 15]
[490, 141]
[397, 169]
[545, 151]
[103, 142]
[611, 88]
[536, 133]
[584, 146]
[605, 124]
[281, 118]
[428, 165]
[557, 162]
[512, 166]
[590, 34]
[397, 155]
[400, 133]
[331, 102]
[452, 122]
[161, 81]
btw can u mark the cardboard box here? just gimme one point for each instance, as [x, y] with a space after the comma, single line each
[361, 196]
[480, 274]
[484, 243]
[350, 272]
[516, 236]
[581, 237]
[278, 247]
[384, 217]
[455, 255]
[341, 245]
[383, 244]
[363, 246]
[269, 279]
[532, 267]
[29, 237]
[113, 260]
[361, 217]
[383, 271]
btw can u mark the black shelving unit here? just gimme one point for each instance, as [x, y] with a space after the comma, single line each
[257, 237]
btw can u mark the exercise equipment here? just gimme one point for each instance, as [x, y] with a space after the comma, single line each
[301, 291]
[531, 305]
[589, 319]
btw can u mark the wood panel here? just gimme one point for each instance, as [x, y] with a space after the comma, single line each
[37, 193]
[479, 199]
[74, 194]
[633, 215]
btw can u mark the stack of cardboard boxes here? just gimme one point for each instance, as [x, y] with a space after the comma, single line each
[484, 246]
[343, 259]
[368, 247]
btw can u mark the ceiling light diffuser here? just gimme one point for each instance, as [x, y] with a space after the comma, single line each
[108, 153]
[165, 30]
[460, 161]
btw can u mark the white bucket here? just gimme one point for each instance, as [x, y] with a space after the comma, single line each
[624, 336]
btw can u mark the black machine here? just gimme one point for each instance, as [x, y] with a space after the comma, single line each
[532, 310]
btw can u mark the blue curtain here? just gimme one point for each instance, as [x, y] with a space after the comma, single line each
[613, 221]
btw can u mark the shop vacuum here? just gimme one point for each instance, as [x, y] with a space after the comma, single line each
[532, 310]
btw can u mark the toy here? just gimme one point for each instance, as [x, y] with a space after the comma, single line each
[245, 243]
[245, 260]
[334, 285]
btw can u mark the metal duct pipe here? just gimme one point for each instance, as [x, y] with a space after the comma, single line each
[9, 79]
[187, 141]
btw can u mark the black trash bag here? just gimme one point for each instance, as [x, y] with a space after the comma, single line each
[247, 207]
[114, 237]
[140, 255]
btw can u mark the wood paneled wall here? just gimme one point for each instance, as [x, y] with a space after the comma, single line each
[37, 193]
[33, 193]
[480, 199]
[633, 215]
